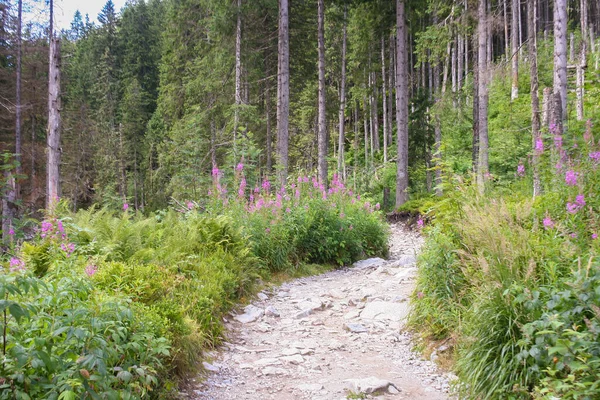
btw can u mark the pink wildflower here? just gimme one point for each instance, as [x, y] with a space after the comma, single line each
[11, 231]
[266, 185]
[420, 222]
[571, 178]
[595, 156]
[91, 270]
[548, 223]
[594, 236]
[190, 205]
[16, 265]
[239, 167]
[580, 200]
[521, 170]
[572, 208]
[125, 206]
[539, 145]
[215, 172]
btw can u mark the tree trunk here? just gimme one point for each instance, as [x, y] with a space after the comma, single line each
[461, 61]
[54, 125]
[238, 76]
[560, 53]
[475, 146]
[374, 111]
[582, 60]
[391, 85]
[482, 31]
[342, 116]
[446, 66]
[322, 124]
[401, 106]
[384, 97]
[515, 50]
[535, 103]
[437, 129]
[546, 99]
[283, 92]
[505, 14]
[454, 72]
[366, 127]
[268, 122]
[18, 122]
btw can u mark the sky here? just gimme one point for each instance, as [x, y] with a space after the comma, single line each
[65, 9]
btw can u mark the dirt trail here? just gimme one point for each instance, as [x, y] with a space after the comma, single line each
[327, 336]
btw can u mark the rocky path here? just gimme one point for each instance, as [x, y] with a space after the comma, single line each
[328, 337]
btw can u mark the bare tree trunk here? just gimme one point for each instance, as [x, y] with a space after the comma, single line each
[437, 128]
[582, 60]
[446, 66]
[238, 76]
[515, 50]
[571, 47]
[18, 137]
[454, 72]
[122, 166]
[391, 85]
[322, 133]
[283, 92]
[342, 113]
[374, 96]
[482, 32]
[384, 97]
[546, 99]
[505, 14]
[402, 106]
[366, 126]
[475, 146]
[535, 103]
[560, 53]
[54, 125]
[269, 133]
[461, 61]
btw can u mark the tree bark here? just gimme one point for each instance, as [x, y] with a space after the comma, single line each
[582, 60]
[18, 122]
[515, 50]
[535, 103]
[322, 124]
[238, 76]
[342, 113]
[482, 31]
[437, 129]
[283, 92]
[384, 97]
[268, 122]
[54, 125]
[505, 14]
[560, 53]
[402, 106]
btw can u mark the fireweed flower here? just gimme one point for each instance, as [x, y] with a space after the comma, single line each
[16, 265]
[594, 236]
[190, 205]
[571, 178]
[91, 270]
[521, 170]
[548, 223]
[266, 185]
[239, 167]
[11, 231]
[125, 206]
[595, 156]
[558, 141]
[539, 145]
[572, 208]
[215, 172]
[580, 200]
[573, 235]
[420, 222]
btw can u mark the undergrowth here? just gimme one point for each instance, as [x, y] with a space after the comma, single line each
[105, 304]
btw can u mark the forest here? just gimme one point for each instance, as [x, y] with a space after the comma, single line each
[160, 161]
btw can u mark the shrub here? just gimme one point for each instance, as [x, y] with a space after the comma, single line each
[66, 340]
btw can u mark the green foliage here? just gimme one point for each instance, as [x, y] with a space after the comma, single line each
[63, 338]
[497, 277]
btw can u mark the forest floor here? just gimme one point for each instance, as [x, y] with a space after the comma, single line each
[333, 336]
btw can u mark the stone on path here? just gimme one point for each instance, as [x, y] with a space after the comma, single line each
[368, 385]
[251, 314]
[369, 263]
[210, 367]
[385, 310]
[355, 328]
